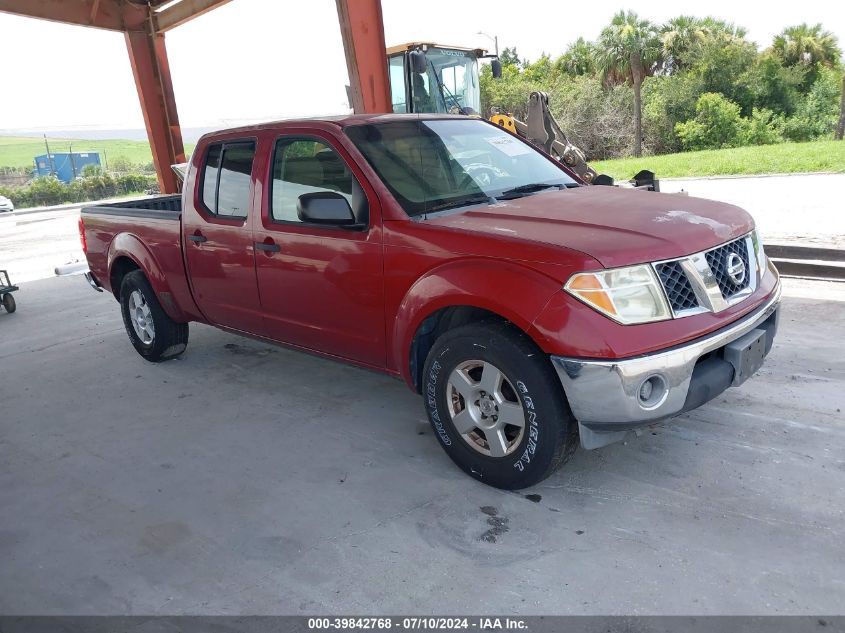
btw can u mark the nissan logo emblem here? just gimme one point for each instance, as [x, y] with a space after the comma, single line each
[736, 269]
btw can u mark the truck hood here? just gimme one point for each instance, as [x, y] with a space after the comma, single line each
[616, 226]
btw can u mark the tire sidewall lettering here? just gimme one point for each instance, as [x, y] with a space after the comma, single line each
[533, 427]
[431, 401]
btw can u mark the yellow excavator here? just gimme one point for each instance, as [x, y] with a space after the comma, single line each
[428, 77]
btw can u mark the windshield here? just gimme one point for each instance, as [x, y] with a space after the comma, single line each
[440, 164]
[450, 83]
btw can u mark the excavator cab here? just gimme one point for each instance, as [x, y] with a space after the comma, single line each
[427, 77]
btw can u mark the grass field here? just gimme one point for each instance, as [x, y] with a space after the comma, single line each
[16, 151]
[784, 158]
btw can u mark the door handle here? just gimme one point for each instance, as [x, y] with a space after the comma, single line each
[198, 238]
[268, 248]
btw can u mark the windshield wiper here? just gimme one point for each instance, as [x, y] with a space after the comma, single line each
[461, 202]
[517, 192]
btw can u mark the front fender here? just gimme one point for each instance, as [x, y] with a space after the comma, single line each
[512, 291]
[129, 245]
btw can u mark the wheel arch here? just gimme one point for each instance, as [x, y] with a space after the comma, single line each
[128, 253]
[457, 294]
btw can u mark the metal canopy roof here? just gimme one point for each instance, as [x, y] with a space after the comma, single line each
[144, 23]
[114, 15]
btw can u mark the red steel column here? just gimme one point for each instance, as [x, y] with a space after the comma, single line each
[148, 56]
[362, 29]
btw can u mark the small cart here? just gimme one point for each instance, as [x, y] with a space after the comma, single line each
[6, 290]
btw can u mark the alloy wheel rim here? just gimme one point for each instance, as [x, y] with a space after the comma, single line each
[485, 408]
[141, 317]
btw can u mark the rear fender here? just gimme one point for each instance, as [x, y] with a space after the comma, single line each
[512, 291]
[128, 245]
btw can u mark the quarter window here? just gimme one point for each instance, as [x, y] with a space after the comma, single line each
[226, 179]
[306, 166]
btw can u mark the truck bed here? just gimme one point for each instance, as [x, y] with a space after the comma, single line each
[144, 234]
[161, 207]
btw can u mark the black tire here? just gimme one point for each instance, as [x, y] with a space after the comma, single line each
[169, 339]
[9, 303]
[550, 432]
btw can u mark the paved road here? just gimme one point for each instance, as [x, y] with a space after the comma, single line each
[805, 208]
[250, 479]
[33, 244]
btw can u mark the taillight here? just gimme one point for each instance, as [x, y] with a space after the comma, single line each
[82, 236]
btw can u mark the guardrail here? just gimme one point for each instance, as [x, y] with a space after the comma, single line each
[808, 262]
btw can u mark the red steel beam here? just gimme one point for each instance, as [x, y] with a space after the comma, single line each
[362, 29]
[148, 56]
[177, 14]
[113, 15]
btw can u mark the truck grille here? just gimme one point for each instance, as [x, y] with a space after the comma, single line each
[710, 281]
[718, 258]
[677, 285]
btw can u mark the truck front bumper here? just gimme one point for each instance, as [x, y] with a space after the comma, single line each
[610, 398]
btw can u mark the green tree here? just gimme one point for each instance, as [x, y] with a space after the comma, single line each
[509, 57]
[541, 70]
[773, 85]
[629, 49]
[818, 109]
[579, 59]
[717, 124]
[667, 100]
[723, 67]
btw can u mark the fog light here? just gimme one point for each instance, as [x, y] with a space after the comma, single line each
[652, 392]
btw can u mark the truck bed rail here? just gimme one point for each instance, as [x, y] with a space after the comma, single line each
[161, 207]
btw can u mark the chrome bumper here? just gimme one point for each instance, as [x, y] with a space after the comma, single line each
[605, 396]
[78, 268]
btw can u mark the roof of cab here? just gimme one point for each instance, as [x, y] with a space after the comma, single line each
[339, 120]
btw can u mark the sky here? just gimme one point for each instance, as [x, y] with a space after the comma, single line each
[253, 60]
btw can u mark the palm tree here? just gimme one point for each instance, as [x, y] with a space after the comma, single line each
[807, 45]
[629, 49]
[681, 36]
[722, 30]
[684, 37]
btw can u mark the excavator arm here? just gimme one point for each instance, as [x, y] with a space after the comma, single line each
[544, 131]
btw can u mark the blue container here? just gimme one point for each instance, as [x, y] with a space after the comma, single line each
[65, 165]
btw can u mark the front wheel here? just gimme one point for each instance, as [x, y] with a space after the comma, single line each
[496, 405]
[153, 334]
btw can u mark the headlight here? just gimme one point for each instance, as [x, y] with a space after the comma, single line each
[626, 295]
[758, 251]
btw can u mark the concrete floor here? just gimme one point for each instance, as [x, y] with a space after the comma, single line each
[250, 479]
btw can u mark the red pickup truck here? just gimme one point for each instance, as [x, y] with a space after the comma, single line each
[528, 309]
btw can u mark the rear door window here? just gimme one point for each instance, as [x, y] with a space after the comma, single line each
[226, 179]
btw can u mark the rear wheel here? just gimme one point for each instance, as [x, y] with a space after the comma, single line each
[154, 335]
[497, 406]
[9, 303]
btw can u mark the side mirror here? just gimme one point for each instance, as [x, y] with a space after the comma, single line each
[418, 62]
[325, 207]
[496, 67]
